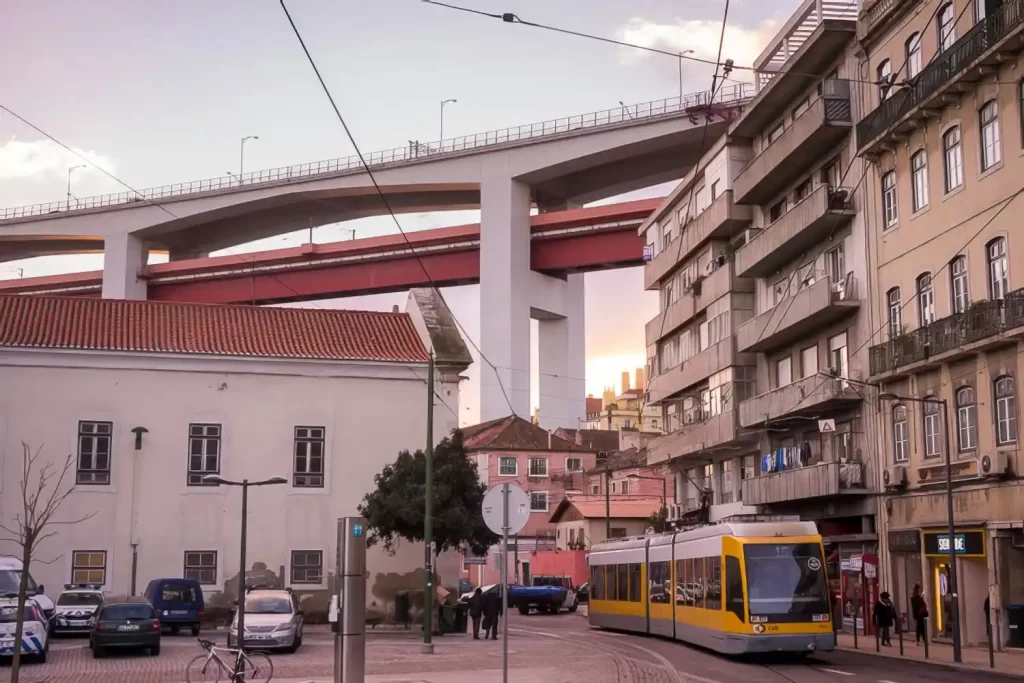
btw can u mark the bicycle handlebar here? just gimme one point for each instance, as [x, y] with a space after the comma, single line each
[207, 644]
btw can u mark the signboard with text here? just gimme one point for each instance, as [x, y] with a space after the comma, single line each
[967, 543]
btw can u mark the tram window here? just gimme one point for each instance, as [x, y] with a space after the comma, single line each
[597, 583]
[680, 582]
[659, 582]
[733, 586]
[623, 592]
[634, 583]
[714, 583]
[611, 583]
[699, 578]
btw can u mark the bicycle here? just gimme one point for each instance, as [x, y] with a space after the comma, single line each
[249, 667]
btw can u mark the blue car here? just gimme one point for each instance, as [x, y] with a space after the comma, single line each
[178, 603]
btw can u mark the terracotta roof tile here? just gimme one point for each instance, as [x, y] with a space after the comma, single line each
[162, 327]
[591, 507]
[513, 433]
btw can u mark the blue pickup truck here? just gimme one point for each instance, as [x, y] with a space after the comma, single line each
[550, 594]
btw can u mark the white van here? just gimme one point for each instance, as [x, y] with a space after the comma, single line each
[10, 582]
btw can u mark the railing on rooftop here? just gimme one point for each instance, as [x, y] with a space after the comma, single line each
[949, 64]
[695, 105]
[804, 22]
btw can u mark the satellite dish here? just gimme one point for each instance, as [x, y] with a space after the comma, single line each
[493, 508]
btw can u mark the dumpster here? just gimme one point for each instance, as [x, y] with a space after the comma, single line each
[403, 611]
[461, 624]
[1015, 618]
[446, 619]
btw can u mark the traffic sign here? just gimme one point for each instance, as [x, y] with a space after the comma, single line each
[518, 508]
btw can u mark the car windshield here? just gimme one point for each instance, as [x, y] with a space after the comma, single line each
[9, 613]
[79, 599]
[123, 612]
[10, 581]
[177, 592]
[267, 605]
[786, 579]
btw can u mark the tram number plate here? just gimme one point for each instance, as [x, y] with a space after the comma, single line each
[771, 628]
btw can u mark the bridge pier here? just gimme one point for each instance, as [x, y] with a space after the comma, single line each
[124, 255]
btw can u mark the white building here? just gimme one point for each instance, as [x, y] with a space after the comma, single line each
[149, 397]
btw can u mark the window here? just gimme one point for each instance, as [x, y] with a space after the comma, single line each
[809, 361]
[837, 355]
[913, 50]
[966, 419]
[307, 566]
[734, 600]
[595, 489]
[507, 466]
[889, 205]
[625, 486]
[94, 452]
[783, 372]
[1006, 411]
[660, 582]
[623, 582]
[89, 566]
[775, 213]
[801, 191]
[884, 72]
[835, 263]
[831, 174]
[538, 501]
[954, 158]
[925, 300]
[682, 591]
[998, 275]
[696, 584]
[713, 580]
[573, 465]
[901, 452]
[842, 442]
[979, 10]
[776, 133]
[802, 106]
[919, 172]
[895, 313]
[309, 457]
[201, 565]
[727, 487]
[634, 583]
[946, 24]
[991, 151]
[203, 452]
[538, 467]
[931, 427]
[617, 532]
[714, 190]
[958, 283]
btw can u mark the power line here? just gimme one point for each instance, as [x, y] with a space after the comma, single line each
[387, 204]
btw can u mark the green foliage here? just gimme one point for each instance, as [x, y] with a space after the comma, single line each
[658, 521]
[395, 509]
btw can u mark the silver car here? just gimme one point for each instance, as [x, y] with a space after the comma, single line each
[273, 621]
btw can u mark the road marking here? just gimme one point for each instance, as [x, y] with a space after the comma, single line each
[885, 681]
[837, 671]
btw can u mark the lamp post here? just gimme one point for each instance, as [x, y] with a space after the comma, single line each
[681, 55]
[444, 102]
[241, 155]
[954, 603]
[244, 484]
[664, 487]
[71, 169]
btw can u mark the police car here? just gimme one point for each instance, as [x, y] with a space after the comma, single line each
[76, 608]
[34, 639]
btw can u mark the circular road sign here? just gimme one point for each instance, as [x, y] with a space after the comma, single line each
[518, 508]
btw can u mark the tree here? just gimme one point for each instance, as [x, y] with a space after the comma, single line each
[395, 509]
[658, 521]
[43, 489]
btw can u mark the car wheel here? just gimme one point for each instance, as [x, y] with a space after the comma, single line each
[574, 606]
[195, 629]
[154, 651]
[97, 652]
[523, 609]
[41, 657]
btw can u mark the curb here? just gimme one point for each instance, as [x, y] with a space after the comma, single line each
[947, 666]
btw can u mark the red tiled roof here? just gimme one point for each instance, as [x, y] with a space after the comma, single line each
[594, 405]
[161, 327]
[513, 433]
[591, 507]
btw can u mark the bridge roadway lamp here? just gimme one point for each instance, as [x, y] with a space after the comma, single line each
[241, 156]
[244, 485]
[505, 509]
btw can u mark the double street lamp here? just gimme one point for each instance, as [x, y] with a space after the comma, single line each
[241, 156]
[72, 169]
[954, 603]
[444, 102]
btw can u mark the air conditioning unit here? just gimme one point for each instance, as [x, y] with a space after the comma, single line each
[675, 512]
[997, 465]
[896, 476]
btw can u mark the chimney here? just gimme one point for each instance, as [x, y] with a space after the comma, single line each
[640, 379]
[625, 382]
[394, 309]
[579, 437]
[549, 441]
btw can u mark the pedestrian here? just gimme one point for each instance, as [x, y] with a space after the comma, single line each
[492, 614]
[885, 617]
[476, 608]
[919, 609]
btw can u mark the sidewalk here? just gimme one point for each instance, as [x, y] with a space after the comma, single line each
[539, 675]
[975, 659]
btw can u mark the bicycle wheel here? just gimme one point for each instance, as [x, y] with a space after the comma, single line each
[258, 667]
[202, 670]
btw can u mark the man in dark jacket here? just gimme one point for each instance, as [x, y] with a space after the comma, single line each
[476, 608]
[919, 608]
[885, 617]
[492, 614]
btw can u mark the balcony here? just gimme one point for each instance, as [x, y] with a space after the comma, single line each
[828, 120]
[696, 436]
[721, 220]
[815, 481]
[821, 213]
[950, 74]
[695, 369]
[985, 325]
[811, 394]
[879, 14]
[707, 290]
[800, 316]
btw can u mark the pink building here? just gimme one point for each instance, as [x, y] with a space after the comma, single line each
[630, 475]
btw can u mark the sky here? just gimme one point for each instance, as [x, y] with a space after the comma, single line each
[158, 93]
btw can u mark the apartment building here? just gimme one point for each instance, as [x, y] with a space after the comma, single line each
[943, 132]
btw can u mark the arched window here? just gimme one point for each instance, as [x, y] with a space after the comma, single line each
[998, 271]
[931, 427]
[958, 284]
[925, 300]
[953, 158]
[913, 50]
[895, 313]
[991, 150]
[901, 445]
[946, 24]
[966, 419]
[1006, 410]
[884, 72]
[919, 175]
[889, 205]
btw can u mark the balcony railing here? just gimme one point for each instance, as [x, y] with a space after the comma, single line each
[814, 481]
[982, 320]
[802, 24]
[708, 434]
[948, 65]
[700, 295]
[692, 370]
[807, 394]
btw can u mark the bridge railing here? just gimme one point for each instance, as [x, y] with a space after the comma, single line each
[695, 104]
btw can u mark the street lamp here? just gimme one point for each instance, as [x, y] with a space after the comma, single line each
[664, 488]
[444, 102]
[244, 484]
[241, 156]
[625, 109]
[681, 55]
[954, 604]
[71, 169]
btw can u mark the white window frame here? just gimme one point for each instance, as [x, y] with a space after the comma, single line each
[966, 419]
[953, 158]
[913, 55]
[784, 372]
[89, 567]
[94, 433]
[991, 143]
[208, 439]
[305, 439]
[900, 436]
[932, 428]
[1006, 410]
[925, 300]
[919, 178]
[570, 466]
[199, 569]
[535, 472]
[946, 27]
[806, 371]
[890, 199]
[895, 312]
[884, 72]
[306, 567]
[547, 501]
[958, 284]
[515, 465]
[998, 272]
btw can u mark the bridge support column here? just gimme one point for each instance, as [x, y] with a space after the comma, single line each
[123, 258]
[562, 362]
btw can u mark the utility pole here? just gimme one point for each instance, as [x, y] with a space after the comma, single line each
[428, 514]
[607, 502]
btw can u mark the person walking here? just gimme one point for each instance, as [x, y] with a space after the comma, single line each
[884, 616]
[476, 608]
[492, 614]
[919, 610]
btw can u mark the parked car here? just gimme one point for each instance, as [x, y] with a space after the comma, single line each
[125, 625]
[550, 599]
[10, 582]
[571, 602]
[76, 608]
[178, 603]
[583, 594]
[35, 637]
[273, 621]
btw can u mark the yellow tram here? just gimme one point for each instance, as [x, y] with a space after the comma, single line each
[731, 587]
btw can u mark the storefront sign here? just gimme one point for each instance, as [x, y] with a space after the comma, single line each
[965, 543]
[908, 541]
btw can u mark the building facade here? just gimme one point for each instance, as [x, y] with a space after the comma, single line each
[943, 132]
[582, 521]
[627, 473]
[629, 410]
[148, 398]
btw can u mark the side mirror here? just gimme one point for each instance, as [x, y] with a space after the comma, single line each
[40, 589]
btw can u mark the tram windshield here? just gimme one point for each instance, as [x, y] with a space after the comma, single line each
[786, 581]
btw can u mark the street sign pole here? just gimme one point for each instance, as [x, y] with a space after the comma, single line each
[505, 509]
